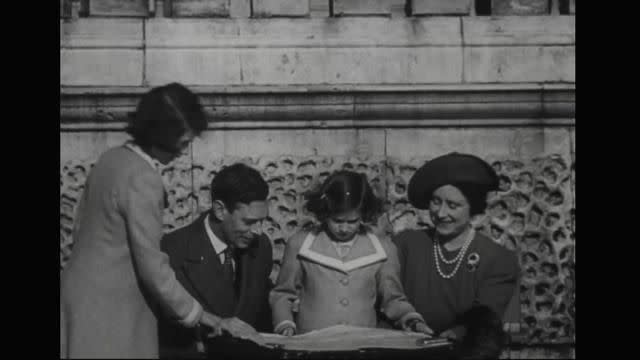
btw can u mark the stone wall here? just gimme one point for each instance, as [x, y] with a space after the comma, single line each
[300, 88]
[533, 213]
[317, 51]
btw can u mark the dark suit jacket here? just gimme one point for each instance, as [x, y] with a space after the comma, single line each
[199, 270]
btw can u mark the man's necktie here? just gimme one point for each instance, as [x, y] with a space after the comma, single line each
[227, 265]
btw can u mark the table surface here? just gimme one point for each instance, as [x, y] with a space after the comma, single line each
[337, 342]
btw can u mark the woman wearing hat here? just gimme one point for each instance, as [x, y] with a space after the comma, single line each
[459, 280]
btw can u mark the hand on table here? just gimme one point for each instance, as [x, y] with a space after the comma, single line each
[288, 331]
[232, 326]
[454, 334]
[417, 325]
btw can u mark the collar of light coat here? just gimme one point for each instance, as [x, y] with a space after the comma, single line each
[337, 264]
[136, 149]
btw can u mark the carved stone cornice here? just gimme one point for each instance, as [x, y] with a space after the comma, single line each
[364, 106]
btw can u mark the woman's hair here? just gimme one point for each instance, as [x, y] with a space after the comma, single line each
[476, 196]
[344, 191]
[164, 114]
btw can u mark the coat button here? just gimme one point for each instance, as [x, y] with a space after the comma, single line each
[344, 281]
[344, 302]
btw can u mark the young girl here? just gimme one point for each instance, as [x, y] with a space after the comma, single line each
[341, 273]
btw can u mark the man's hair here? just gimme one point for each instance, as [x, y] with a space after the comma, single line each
[238, 183]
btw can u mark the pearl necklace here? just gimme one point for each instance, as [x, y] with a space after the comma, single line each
[455, 259]
[437, 253]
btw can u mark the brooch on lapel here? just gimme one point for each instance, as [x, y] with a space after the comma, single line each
[472, 262]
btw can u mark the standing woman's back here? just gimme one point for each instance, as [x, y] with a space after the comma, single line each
[99, 285]
[117, 274]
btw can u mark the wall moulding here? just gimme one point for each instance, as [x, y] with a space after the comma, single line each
[245, 107]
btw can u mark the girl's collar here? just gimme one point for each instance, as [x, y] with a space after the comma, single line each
[308, 252]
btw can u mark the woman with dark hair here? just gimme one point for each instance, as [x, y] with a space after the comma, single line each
[457, 279]
[339, 271]
[117, 275]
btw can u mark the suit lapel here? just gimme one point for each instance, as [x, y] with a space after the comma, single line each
[244, 272]
[247, 266]
[203, 270]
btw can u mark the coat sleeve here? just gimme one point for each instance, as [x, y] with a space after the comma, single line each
[400, 241]
[142, 209]
[264, 316]
[285, 292]
[394, 303]
[498, 283]
[496, 287]
[63, 333]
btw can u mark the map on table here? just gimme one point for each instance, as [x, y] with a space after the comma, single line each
[348, 338]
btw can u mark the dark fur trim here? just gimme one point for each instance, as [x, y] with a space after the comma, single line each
[484, 337]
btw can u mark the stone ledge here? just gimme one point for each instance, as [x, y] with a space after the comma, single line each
[345, 124]
[279, 89]
[335, 106]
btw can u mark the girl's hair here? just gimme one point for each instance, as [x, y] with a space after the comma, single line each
[344, 191]
[164, 114]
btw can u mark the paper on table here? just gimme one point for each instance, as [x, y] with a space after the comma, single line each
[346, 338]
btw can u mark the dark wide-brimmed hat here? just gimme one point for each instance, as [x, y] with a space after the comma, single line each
[453, 168]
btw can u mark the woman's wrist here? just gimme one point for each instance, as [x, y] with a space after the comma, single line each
[410, 319]
[284, 325]
[411, 323]
[194, 316]
[460, 331]
[210, 319]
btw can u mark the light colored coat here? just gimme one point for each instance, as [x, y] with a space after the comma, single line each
[333, 291]
[117, 273]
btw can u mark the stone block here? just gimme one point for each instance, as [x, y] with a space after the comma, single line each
[361, 7]
[280, 8]
[520, 64]
[102, 67]
[200, 8]
[441, 7]
[519, 7]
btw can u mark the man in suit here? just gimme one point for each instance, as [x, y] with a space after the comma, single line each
[224, 260]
